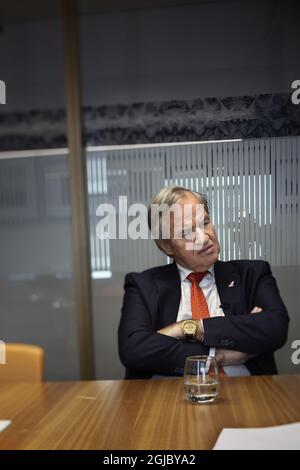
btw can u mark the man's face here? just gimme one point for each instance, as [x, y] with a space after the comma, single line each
[204, 239]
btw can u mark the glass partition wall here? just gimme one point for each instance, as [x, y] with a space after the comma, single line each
[37, 303]
[252, 186]
[214, 72]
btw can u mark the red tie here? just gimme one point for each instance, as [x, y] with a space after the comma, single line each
[198, 301]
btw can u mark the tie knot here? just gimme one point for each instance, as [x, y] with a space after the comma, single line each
[196, 278]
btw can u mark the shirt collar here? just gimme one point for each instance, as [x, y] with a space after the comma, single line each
[184, 272]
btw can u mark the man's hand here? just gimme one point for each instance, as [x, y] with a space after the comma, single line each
[228, 357]
[256, 310]
[175, 331]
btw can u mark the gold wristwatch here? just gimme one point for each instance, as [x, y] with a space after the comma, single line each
[189, 328]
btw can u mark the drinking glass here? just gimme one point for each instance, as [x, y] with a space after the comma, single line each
[201, 379]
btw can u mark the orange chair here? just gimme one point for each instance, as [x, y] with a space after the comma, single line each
[24, 363]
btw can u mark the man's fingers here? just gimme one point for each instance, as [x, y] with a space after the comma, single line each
[256, 310]
[228, 357]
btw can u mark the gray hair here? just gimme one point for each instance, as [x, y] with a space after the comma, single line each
[171, 195]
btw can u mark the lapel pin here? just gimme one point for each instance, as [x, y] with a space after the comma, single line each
[231, 284]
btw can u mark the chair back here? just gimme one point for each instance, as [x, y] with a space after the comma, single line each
[23, 363]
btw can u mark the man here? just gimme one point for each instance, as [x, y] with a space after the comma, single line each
[198, 305]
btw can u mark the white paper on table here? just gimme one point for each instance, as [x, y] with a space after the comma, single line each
[283, 437]
[4, 424]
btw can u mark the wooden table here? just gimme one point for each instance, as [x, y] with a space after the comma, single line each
[141, 414]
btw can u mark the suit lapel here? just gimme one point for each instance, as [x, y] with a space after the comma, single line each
[169, 293]
[229, 287]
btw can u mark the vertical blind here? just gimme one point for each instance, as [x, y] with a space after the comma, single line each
[252, 186]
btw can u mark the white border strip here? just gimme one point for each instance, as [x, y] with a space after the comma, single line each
[33, 153]
[164, 144]
[64, 151]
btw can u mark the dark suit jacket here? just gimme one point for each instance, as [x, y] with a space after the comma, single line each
[151, 301]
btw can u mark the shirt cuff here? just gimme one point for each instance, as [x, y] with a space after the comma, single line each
[212, 352]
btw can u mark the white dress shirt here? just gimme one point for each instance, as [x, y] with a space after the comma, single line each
[209, 288]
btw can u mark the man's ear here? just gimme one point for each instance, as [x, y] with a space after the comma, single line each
[166, 246]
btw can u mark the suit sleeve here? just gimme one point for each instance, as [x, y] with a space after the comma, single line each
[253, 333]
[141, 349]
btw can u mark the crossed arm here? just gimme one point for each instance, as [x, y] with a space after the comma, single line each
[224, 357]
[145, 350]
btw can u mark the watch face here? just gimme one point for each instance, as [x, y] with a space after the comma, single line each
[189, 327]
